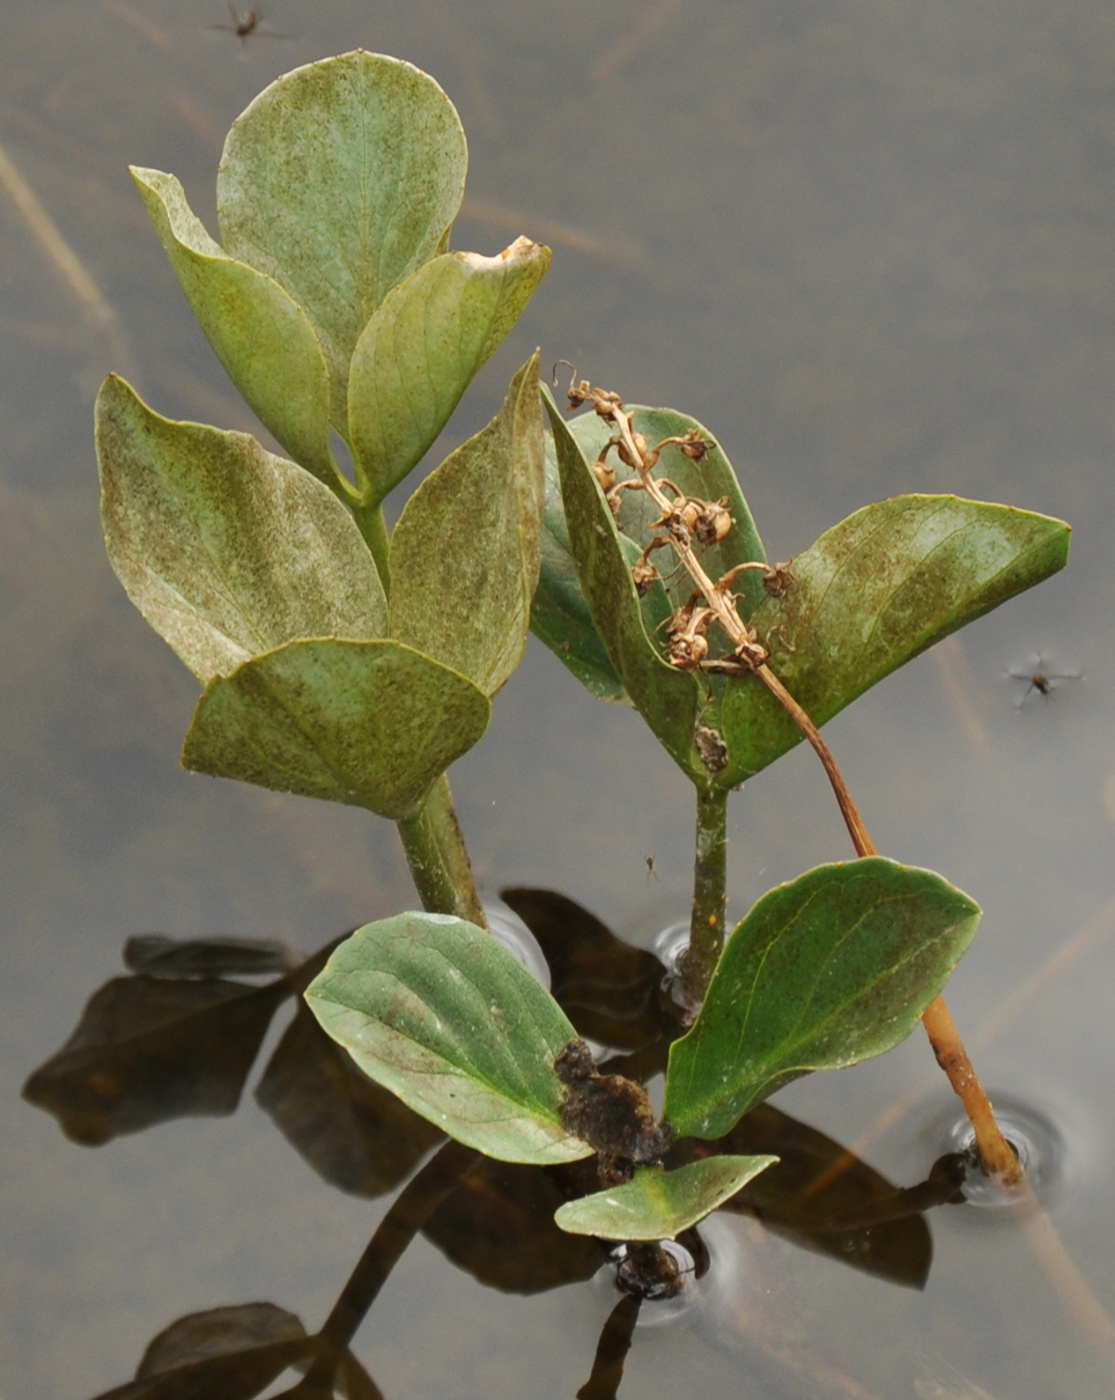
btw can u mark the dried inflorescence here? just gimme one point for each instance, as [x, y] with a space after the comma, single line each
[685, 522]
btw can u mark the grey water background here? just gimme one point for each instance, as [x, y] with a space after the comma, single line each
[872, 246]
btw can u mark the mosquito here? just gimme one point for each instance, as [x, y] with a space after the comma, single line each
[1040, 679]
[246, 24]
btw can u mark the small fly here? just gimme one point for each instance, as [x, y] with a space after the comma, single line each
[246, 24]
[1040, 679]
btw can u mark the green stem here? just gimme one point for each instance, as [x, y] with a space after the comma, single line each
[710, 875]
[371, 524]
[438, 860]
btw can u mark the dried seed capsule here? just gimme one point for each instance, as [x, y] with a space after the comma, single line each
[605, 474]
[712, 525]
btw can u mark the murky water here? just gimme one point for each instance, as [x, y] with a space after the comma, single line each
[872, 247]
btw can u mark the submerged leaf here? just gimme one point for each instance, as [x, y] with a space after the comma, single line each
[464, 555]
[441, 1014]
[499, 1227]
[226, 550]
[260, 334]
[372, 724]
[609, 989]
[217, 1332]
[832, 968]
[874, 592]
[421, 349]
[339, 180]
[657, 1205]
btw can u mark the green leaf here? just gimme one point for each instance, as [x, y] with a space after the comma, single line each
[372, 724]
[832, 968]
[465, 553]
[226, 550]
[873, 592]
[669, 700]
[559, 615]
[657, 1205]
[437, 1011]
[421, 349]
[260, 334]
[339, 180]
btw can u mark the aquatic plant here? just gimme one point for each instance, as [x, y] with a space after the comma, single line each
[342, 661]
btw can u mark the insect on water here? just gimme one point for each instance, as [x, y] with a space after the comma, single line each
[246, 24]
[1040, 678]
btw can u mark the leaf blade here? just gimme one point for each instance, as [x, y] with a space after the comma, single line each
[658, 1205]
[370, 724]
[339, 180]
[259, 332]
[831, 968]
[465, 553]
[872, 593]
[226, 550]
[421, 349]
[668, 699]
[438, 1012]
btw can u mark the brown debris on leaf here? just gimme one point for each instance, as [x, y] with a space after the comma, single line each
[610, 1113]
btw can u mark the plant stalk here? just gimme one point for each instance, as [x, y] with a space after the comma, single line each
[438, 860]
[710, 874]
[995, 1152]
[371, 524]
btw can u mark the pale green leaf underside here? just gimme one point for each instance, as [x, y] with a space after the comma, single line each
[421, 349]
[339, 180]
[260, 334]
[832, 968]
[371, 724]
[465, 553]
[442, 1015]
[226, 550]
[657, 1205]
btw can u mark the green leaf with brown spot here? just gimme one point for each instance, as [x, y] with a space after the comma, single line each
[832, 968]
[873, 592]
[372, 724]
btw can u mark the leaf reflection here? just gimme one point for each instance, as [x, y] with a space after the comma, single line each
[610, 990]
[149, 1048]
[825, 1199]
